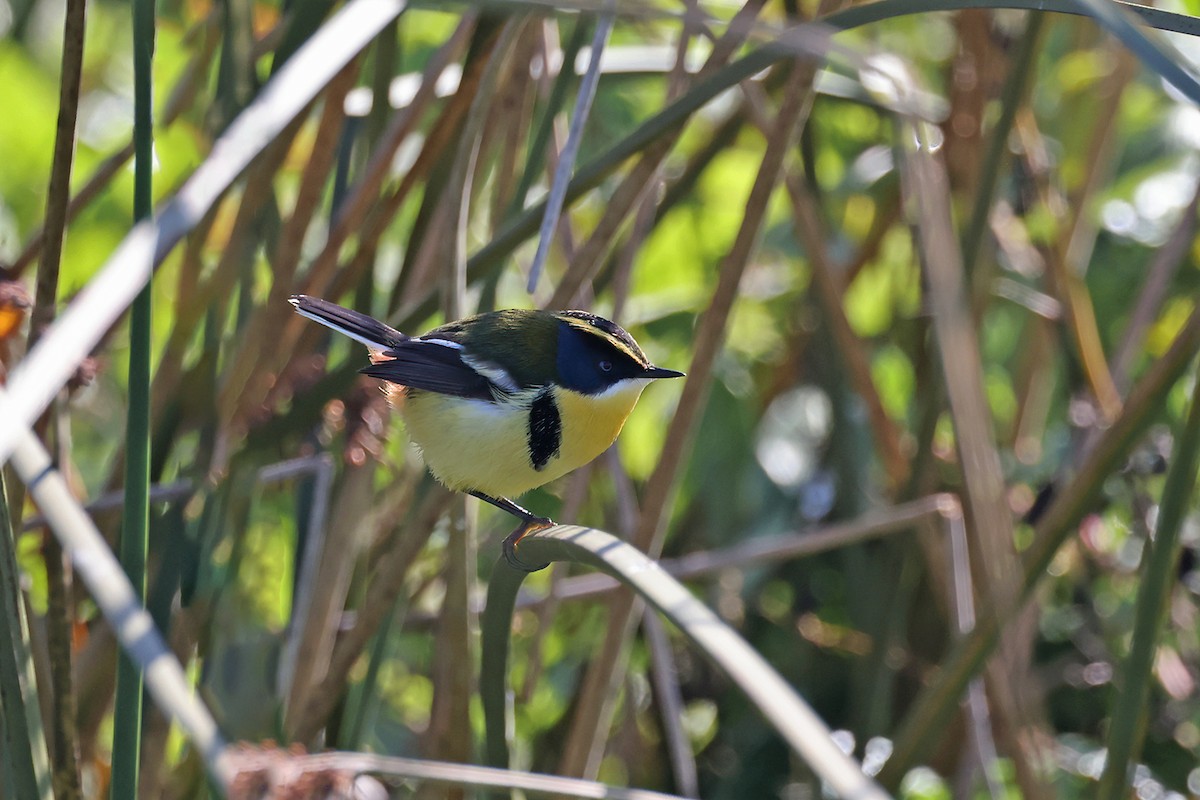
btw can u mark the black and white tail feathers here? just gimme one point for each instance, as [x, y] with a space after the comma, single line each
[432, 364]
[358, 326]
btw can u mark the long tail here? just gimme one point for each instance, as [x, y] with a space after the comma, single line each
[368, 330]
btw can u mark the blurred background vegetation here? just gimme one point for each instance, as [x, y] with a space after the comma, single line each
[895, 404]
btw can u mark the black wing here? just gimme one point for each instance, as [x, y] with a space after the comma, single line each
[434, 367]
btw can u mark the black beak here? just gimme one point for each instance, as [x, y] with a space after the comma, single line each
[659, 372]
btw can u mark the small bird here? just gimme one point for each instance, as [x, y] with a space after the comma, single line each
[503, 402]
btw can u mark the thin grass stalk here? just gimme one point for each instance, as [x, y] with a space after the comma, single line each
[25, 754]
[385, 60]
[535, 155]
[449, 736]
[1154, 51]
[420, 267]
[384, 586]
[566, 159]
[1162, 269]
[640, 179]
[664, 672]
[644, 220]
[1069, 256]
[930, 712]
[364, 195]
[168, 526]
[1100, 160]
[732, 40]
[309, 567]
[314, 178]
[246, 373]
[635, 190]
[1034, 386]
[995, 563]
[457, 202]
[361, 705]
[775, 699]
[1085, 334]
[665, 680]
[135, 525]
[807, 225]
[1073, 309]
[589, 175]
[183, 94]
[316, 624]
[962, 601]
[1023, 62]
[249, 378]
[1127, 725]
[63, 729]
[236, 76]
[171, 365]
[511, 122]
[627, 196]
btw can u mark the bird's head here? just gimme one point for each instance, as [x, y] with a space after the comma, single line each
[594, 355]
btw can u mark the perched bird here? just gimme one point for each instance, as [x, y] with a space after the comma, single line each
[503, 402]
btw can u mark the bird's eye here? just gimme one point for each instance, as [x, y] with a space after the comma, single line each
[605, 366]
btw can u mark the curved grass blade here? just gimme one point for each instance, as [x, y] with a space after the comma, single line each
[1118, 18]
[795, 721]
[867, 13]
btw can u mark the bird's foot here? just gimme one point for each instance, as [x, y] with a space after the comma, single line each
[528, 525]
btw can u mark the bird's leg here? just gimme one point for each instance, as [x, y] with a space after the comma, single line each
[530, 522]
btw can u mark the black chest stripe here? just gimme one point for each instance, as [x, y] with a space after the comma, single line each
[545, 430]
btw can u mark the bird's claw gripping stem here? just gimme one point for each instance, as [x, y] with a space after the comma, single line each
[527, 526]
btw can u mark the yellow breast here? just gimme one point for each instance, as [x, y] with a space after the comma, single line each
[591, 422]
[484, 446]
